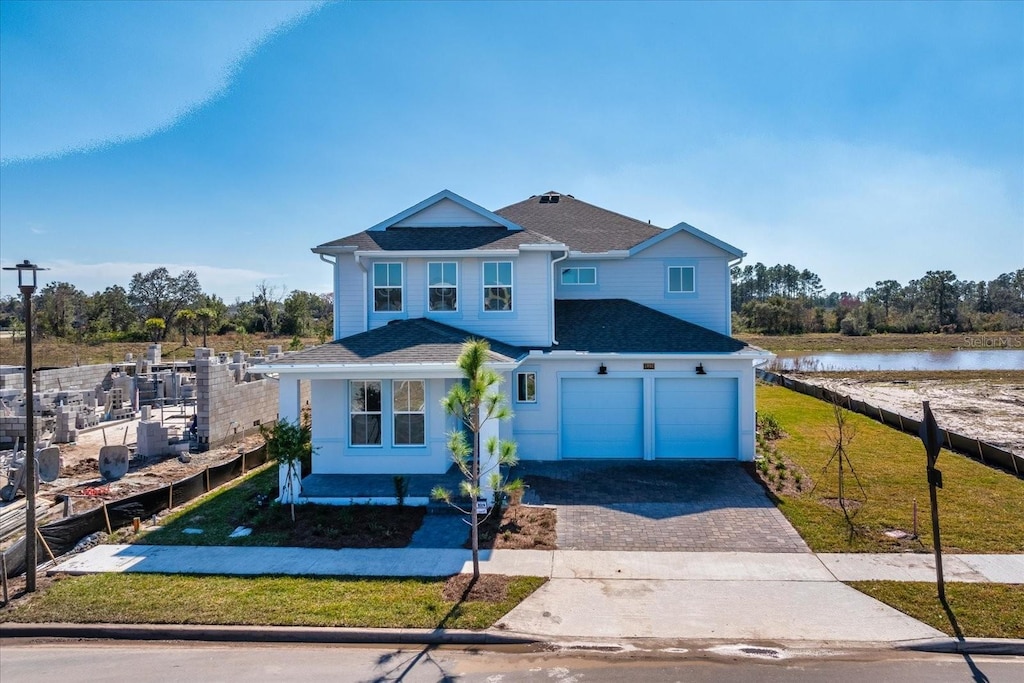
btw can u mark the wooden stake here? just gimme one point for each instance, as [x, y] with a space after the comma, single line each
[3, 575]
[207, 472]
[106, 516]
[45, 545]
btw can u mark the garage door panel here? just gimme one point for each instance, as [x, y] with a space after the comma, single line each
[696, 417]
[602, 418]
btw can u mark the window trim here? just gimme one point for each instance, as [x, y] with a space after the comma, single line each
[395, 412]
[484, 286]
[455, 286]
[668, 280]
[353, 413]
[520, 376]
[578, 269]
[400, 287]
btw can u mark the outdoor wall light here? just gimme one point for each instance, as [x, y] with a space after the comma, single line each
[701, 370]
[602, 370]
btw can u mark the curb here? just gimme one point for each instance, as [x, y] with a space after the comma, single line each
[968, 646]
[272, 634]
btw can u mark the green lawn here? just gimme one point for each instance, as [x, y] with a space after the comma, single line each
[981, 610]
[979, 508]
[219, 512]
[265, 600]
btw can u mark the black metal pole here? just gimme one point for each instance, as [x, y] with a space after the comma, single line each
[31, 554]
[937, 541]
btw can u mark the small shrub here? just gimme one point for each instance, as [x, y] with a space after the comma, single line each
[768, 427]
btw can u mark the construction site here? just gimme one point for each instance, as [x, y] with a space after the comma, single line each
[108, 432]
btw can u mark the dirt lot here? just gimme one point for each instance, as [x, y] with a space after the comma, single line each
[990, 409]
[80, 477]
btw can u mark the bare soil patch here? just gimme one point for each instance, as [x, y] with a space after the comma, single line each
[986, 409]
[487, 588]
[345, 526]
[519, 527]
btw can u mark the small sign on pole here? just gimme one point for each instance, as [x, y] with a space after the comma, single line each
[932, 437]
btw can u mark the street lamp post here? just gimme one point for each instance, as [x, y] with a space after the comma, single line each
[27, 284]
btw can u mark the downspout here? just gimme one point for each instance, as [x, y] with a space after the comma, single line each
[728, 289]
[554, 342]
[366, 312]
[334, 288]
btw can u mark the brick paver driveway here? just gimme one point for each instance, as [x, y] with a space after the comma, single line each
[659, 505]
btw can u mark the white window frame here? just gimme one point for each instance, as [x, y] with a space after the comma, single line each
[395, 412]
[356, 413]
[520, 386]
[579, 270]
[400, 287]
[454, 285]
[693, 279]
[510, 286]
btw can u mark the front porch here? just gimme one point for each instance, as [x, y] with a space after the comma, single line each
[344, 489]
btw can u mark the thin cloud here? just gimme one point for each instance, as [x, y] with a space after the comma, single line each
[71, 137]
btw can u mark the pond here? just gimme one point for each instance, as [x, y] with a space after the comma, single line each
[952, 359]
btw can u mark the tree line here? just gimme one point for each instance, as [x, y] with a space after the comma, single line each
[156, 305]
[782, 299]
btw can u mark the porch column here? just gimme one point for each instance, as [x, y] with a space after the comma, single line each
[290, 410]
[488, 463]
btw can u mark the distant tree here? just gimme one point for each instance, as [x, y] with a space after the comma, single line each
[155, 328]
[184, 320]
[205, 316]
[110, 311]
[59, 306]
[157, 294]
[266, 304]
[938, 286]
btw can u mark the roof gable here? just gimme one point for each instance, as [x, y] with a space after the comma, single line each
[690, 230]
[445, 210]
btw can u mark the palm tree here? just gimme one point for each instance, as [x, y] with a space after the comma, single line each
[205, 316]
[184, 320]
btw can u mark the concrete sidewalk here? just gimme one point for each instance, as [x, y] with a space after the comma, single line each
[555, 564]
[736, 596]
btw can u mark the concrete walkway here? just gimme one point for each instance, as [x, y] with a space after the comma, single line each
[606, 594]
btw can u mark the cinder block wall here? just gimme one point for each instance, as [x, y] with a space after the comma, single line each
[82, 376]
[12, 377]
[221, 402]
[13, 427]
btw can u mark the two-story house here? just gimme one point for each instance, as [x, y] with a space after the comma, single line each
[612, 336]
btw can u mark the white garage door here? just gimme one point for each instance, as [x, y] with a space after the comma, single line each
[696, 417]
[602, 417]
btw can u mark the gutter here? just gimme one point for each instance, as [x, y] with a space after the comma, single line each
[336, 304]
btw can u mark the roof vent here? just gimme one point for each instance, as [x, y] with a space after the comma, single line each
[550, 198]
[545, 198]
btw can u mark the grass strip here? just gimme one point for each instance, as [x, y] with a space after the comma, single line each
[263, 601]
[979, 507]
[981, 610]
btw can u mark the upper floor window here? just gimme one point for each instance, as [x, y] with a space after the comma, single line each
[497, 285]
[579, 276]
[526, 387]
[387, 286]
[681, 279]
[408, 403]
[365, 411]
[442, 286]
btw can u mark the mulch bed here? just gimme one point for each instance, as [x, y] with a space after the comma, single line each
[488, 588]
[345, 526]
[519, 527]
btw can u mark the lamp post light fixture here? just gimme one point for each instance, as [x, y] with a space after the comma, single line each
[27, 284]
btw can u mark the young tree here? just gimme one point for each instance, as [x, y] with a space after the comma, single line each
[291, 444]
[474, 402]
[155, 328]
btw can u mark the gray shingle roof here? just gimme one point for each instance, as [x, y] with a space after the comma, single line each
[438, 239]
[416, 340]
[622, 326]
[580, 226]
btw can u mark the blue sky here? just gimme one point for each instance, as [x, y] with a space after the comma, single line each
[863, 141]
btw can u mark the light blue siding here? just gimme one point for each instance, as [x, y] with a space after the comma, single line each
[602, 417]
[643, 278]
[696, 417]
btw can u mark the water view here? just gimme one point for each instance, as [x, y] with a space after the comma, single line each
[953, 359]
